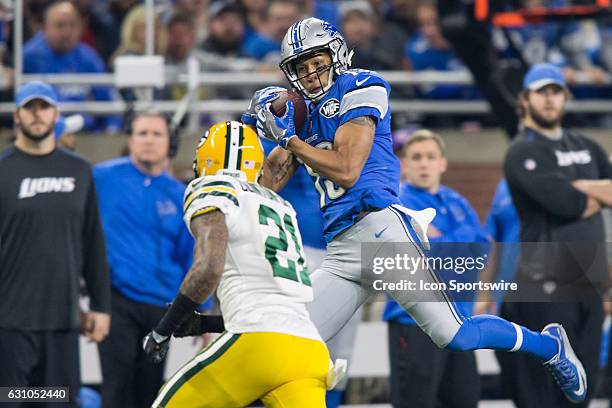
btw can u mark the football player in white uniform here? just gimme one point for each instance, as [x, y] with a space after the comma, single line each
[247, 246]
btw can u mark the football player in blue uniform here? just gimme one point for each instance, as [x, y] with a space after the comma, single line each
[346, 148]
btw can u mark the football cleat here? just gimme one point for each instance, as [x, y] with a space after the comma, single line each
[566, 368]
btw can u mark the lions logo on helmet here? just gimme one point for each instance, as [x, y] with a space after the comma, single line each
[229, 148]
[305, 38]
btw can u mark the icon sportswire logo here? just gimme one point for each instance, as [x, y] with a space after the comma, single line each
[32, 186]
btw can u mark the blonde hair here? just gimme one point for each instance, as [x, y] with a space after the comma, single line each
[423, 135]
[130, 44]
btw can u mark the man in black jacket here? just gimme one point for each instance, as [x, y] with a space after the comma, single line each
[559, 181]
[50, 237]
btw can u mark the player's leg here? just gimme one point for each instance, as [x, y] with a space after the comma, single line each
[439, 318]
[335, 299]
[215, 378]
[305, 366]
[341, 347]
[237, 369]
[304, 393]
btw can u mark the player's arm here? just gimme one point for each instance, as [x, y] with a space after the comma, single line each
[278, 168]
[343, 164]
[211, 236]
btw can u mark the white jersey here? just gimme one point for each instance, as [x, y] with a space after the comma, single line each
[265, 285]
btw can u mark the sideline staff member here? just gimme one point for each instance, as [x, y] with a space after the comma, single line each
[149, 253]
[50, 236]
[559, 181]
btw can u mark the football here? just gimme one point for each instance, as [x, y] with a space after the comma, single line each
[278, 108]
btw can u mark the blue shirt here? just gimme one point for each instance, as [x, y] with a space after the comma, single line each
[149, 248]
[457, 222]
[503, 225]
[300, 192]
[356, 93]
[259, 46]
[39, 58]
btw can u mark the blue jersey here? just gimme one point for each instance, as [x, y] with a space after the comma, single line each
[355, 93]
[302, 195]
[458, 222]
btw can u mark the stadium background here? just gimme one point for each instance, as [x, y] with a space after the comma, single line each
[431, 88]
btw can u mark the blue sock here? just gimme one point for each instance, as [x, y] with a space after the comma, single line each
[333, 398]
[492, 332]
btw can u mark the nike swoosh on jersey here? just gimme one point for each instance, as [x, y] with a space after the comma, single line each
[378, 234]
[359, 83]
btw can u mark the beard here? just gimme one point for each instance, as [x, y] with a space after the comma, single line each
[545, 122]
[35, 136]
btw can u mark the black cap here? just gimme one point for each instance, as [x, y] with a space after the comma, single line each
[222, 6]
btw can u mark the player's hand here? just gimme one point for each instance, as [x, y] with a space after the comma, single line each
[271, 127]
[95, 325]
[156, 346]
[259, 99]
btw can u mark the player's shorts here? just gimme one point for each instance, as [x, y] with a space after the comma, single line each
[339, 289]
[280, 369]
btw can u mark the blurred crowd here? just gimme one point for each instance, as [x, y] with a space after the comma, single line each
[86, 36]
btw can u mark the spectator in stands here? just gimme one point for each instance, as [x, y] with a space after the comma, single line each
[429, 50]
[181, 39]
[99, 30]
[34, 17]
[57, 49]
[377, 46]
[222, 49]
[280, 16]
[51, 239]
[133, 34]
[119, 9]
[561, 43]
[198, 10]
[423, 375]
[254, 15]
[149, 253]
[181, 43]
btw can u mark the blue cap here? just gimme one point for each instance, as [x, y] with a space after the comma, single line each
[35, 90]
[541, 75]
